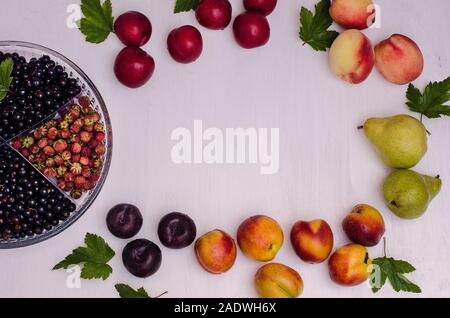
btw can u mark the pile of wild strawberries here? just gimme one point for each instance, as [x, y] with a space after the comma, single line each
[69, 148]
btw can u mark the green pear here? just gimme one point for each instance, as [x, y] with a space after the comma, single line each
[408, 193]
[401, 140]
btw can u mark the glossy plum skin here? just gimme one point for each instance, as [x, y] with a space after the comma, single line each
[124, 220]
[177, 230]
[251, 30]
[133, 28]
[214, 14]
[142, 258]
[185, 44]
[133, 67]
[264, 7]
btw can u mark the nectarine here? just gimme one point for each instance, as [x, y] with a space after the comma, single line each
[260, 237]
[216, 251]
[399, 59]
[278, 281]
[352, 14]
[350, 265]
[364, 225]
[312, 241]
[352, 56]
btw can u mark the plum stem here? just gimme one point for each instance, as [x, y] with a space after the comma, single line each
[384, 246]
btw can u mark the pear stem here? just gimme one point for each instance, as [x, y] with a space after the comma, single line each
[166, 292]
[384, 246]
[360, 127]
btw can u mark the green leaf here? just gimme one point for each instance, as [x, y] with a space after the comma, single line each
[314, 27]
[432, 103]
[126, 291]
[185, 5]
[393, 270]
[94, 258]
[98, 20]
[6, 69]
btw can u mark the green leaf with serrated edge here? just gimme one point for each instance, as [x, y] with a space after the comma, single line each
[6, 69]
[393, 270]
[185, 5]
[97, 21]
[432, 103]
[314, 27]
[94, 258]
[126, 291]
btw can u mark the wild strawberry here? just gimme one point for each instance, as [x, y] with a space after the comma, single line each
[89, 128]
[75, 128]
[76, 194]
[50, 172]
[59, 159]
[69, 177]
[98, 163]
[69, 185]
[100, 149]
[65, 133]
[75, 111]
[63, 125]
[95, 177]
[25, 152]
[60, 145]
[61, 170]
[84, 161]
[86, 110]
[52, 133]
[50, 162]
[66, 155]
[76, 157]
[100, 136]
[51, 124]
[75, 148]
[61, 184]
[75, 138]
[86, 172]
[49, 151]
[16, 144]
[68, 118]
[75, 169]
[79, 182]
[86, 152]
[37, 133]
[93, 143]
[42, 157]
[40, 166]
[85, 136]
[99, 127]
[34, 149]
[84, 101]
[42, 143]
[88, 185]
[88, 121]
[27, 142]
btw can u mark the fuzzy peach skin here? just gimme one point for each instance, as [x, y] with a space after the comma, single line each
[260, 238]
[312, 241]
[351, 56]
[350, 265]
[399, 59]
[278, 281]
[352, 14]
[216, 251]
[364, 225]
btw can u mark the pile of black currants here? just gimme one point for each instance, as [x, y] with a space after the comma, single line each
[29, 203]
[39, 88]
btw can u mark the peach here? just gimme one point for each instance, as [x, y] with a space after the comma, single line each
[352, 56]
[350, 265]
[216, 251]
[364, 225]
[312, 241]
[353, 14]
[260, 238]
[278, 281]
[399, 59]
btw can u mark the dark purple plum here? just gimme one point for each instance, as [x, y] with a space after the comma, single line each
[142, 258]
[176, 230]
[124, 220]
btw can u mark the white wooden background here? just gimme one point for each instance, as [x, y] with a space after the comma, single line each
[326, 165]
